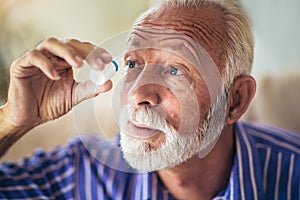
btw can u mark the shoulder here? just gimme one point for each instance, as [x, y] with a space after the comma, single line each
[276, 152]
[266, 136]
[59, 158]
[43, 175]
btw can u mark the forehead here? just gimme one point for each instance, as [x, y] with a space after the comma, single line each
[161, 39]
[184, 30]
[205, 24]
[169, 41]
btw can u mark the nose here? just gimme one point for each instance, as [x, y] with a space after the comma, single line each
[146, 95]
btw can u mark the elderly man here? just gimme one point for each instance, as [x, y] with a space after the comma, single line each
[185, 86]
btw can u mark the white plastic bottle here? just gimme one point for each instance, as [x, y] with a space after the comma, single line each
[99, 77]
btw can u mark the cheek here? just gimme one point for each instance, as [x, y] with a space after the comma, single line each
[173, 109]
[203, 98]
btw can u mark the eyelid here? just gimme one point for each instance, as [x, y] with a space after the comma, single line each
[129, 58]
[181, 68]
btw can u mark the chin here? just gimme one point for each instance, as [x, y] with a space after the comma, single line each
[139, 154]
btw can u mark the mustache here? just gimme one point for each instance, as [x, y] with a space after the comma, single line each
[151, 118]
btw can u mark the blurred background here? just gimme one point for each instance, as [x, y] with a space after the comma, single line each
[24, 23]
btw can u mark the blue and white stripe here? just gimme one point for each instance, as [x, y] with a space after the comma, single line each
[266, 166]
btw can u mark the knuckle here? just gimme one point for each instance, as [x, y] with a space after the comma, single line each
[88, 43]
[46, 42]
[32, 53]
[72, 41]
[27, 57]
[50, 40]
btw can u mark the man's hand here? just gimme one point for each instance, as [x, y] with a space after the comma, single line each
[42, 86]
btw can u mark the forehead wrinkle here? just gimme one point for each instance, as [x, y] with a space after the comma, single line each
[216, 47]
[199, 24]
[191, 46]
[201, 31]
[169, 36]
[132, 42]
[139, 35]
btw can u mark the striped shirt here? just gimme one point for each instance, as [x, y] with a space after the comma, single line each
[266, 166]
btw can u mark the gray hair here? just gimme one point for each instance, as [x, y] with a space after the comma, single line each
[239, 45]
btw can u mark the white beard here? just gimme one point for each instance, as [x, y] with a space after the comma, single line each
[177, 148]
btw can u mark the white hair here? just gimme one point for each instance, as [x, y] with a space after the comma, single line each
[223, 3]
[239, 44]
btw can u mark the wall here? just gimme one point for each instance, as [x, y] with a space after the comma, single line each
[276, 30]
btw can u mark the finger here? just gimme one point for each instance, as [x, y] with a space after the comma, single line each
[35, 58]
[86, 90]
[95, 56]
[61, 50]
[56, 61]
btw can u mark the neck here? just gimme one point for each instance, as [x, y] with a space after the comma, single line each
[202, 178]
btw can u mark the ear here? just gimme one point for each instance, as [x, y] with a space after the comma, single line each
[239, 97]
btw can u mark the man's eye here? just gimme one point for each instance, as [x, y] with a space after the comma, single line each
[173, 71]
[131, 64]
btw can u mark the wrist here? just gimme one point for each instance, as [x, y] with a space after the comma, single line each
[9, 131]
[8, 126]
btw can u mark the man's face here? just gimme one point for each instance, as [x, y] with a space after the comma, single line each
[171, 80]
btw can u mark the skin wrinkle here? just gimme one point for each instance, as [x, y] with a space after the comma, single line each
[136, 44]
[185, 30]
[203, 27]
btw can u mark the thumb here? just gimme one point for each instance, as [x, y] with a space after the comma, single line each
[86, 90]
